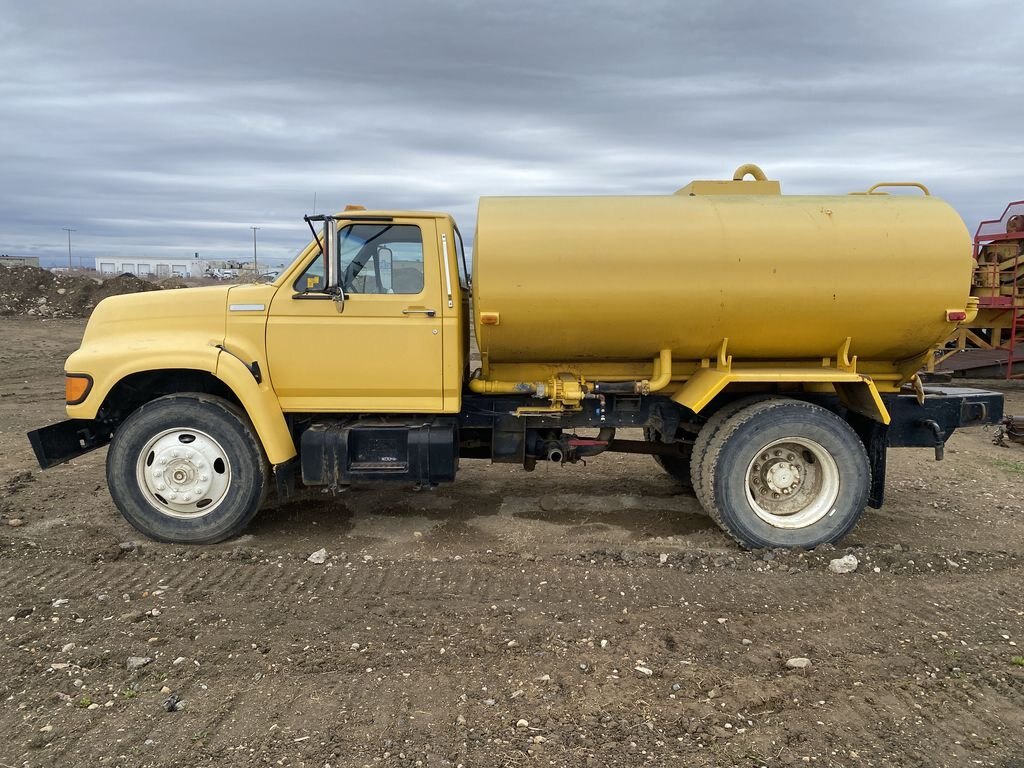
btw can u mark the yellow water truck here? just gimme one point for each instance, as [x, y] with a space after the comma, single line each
[766, 345]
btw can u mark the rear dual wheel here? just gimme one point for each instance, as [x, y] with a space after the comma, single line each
[781, 473]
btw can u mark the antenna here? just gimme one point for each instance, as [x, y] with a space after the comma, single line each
[255, 261]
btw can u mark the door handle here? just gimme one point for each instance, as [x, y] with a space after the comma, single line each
[419, 311]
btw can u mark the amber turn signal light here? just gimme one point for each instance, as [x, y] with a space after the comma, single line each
[76, 387]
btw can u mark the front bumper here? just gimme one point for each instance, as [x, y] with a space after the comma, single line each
[67, 440]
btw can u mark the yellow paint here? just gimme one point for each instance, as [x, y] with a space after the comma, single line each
[566, 391]
[858, 392]
[244, 340]
[725, 283]
[760, 185]
[372, 356]
[262, 406]
[148, 332]
[180, 330]
[662, 371]
[595, 286]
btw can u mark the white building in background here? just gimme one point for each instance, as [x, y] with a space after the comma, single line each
[156, 266]
[161, 267]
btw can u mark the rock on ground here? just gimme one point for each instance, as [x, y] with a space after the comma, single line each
[844, 564]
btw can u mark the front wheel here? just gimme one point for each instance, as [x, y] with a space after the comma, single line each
[187, 469]
[785, 473]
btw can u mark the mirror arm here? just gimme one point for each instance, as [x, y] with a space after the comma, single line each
[316, 237]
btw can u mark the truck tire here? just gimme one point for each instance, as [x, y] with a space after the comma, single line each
[786, 473]
[187, 469]
[677, 468]
[698, 473]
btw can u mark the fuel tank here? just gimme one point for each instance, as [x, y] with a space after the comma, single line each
[616, 279]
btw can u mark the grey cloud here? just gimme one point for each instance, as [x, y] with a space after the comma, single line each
[151, 127]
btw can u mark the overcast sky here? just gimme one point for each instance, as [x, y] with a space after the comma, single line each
[172, 127]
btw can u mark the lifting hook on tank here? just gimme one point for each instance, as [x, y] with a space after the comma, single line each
[751, 169]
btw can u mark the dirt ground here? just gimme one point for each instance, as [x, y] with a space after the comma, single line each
[578, 616]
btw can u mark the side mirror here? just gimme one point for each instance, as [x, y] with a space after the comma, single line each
[384, 263]
[333, 287]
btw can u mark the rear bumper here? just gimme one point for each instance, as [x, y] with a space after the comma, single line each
[67, 440]
[945, 409]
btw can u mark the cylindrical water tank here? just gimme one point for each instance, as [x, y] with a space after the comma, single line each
[588, 279]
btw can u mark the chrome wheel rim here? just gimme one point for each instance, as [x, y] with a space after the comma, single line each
[183, 473]
[792, 483]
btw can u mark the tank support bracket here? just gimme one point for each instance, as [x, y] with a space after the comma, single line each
[858, 393]
[723, 360]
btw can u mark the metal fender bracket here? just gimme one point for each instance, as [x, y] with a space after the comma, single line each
[253, 367]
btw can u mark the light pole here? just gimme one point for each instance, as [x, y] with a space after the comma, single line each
[69, 231]
[255, 262]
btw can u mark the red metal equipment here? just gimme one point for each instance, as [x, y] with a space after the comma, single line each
[999, 282]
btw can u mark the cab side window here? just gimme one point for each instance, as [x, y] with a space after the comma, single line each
[312, 280]
[381, 258]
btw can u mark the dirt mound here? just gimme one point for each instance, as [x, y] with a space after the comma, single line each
[40, 293]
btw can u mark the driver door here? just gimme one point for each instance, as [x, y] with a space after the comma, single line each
[382, 353]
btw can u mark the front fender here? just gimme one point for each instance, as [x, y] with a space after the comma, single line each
[261, 404]
[109, 364]
[108, 367]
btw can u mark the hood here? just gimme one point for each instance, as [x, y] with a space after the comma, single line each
[199, 311]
